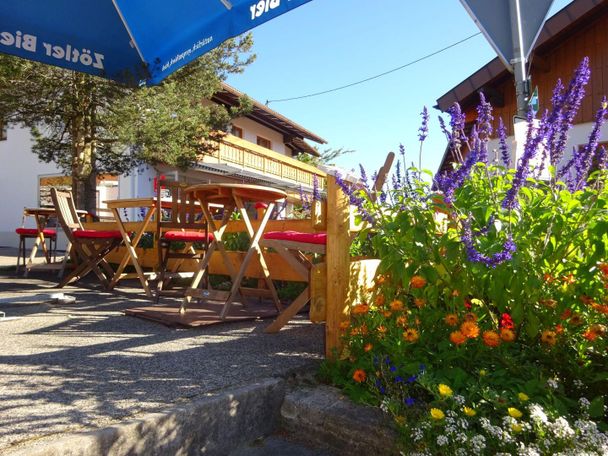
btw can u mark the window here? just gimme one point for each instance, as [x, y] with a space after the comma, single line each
[264, 142]
[236, 131]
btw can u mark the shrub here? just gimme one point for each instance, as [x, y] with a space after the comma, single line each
[489, 330]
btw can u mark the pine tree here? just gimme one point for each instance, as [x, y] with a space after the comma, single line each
[89, 126]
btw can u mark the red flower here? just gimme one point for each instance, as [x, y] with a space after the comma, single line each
[506, 321]
[467, 304]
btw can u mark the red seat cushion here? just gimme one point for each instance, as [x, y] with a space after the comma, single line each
[261, 205]
[34, 232]
[97, 234]
[296, 236]
[187, 236]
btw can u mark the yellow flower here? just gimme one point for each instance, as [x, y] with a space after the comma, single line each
[514, 412]
[437, 414]
[523, 397]
[445, 390]
[517, 428]
[483, 373]
[468, 411]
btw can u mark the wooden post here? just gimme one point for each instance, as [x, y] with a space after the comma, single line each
[337, 260]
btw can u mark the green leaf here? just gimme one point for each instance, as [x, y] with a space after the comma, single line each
[596, 408]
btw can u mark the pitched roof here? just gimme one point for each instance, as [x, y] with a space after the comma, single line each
[293, 132]
[555, 28]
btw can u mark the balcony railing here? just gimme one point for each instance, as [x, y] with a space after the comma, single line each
[265, 162]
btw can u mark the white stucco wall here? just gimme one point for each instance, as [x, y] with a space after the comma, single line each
[19, 171]
[252, 129]
[578, 136]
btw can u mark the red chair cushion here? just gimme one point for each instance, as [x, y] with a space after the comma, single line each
[187, 236]
[296, 236]
[97, 234]
[34, 232]
[261, 205]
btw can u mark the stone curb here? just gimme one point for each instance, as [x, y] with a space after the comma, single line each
[214, 425]
[326, 418]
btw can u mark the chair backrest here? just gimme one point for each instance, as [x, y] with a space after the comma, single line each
[179, 210]
[66, 211]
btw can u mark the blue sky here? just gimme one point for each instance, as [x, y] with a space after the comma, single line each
[330, 43]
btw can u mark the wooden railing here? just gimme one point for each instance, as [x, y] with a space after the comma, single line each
[236, 151]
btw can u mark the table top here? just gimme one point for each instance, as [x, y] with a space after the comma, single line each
[131, 202]
[46, 211]
[247, 192]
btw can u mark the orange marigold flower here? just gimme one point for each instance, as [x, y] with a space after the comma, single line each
[548, 278]
[419, 302]
[586, 299]
[604, 268]
[359, 375]
[344, 325]
[360, 309]
[411, 335]
[387, 314]
[566, 314]
[364, 330]
[367, 347]
[381, 329]
[569, 279]
[455, 293]
[601, 308]
[402, 320]
[559, 329]
[507, 335]
[457, 338]
[470, 316]
[396, 305]
[491, 338]
[380, 280]
[598, 328]
[469, 329]
[451, 319]
[548, 337]
[548, 302]
[417, 281]
[590, 335]
[576, 320]
[380, 299]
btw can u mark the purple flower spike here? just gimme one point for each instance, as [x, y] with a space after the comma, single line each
[585, 156]
[505, 153]
[475, 256]
[423, 131]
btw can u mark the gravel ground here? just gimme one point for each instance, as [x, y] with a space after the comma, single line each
[69, 367]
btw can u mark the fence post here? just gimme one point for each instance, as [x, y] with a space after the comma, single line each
[337, 259]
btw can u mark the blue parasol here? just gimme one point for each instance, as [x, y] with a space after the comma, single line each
[130, 41]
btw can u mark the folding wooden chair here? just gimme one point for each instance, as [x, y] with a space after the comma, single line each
[179, 222]
[293, 247]
[89, 246]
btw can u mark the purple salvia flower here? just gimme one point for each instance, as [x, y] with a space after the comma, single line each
[396, 178]
[601, 157]
[305, 200]
[475, 256]
[571, 101]
[484, 126]
[316, 193]
[454, 180]
[363, 176]
[354, 199]
[586, 160]
[565, 170]
[505, 154]
[534, 138]
[423, 131]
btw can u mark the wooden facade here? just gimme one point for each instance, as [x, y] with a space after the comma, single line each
[579, 30]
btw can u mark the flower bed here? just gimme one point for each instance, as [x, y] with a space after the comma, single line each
[488, 333]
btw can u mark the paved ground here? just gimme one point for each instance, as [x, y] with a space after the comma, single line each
[68, 367]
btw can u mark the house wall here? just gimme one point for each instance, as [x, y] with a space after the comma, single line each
[252, 129]
[19, 171]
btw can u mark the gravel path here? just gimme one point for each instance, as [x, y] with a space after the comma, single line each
[68, 367]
